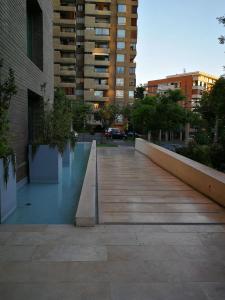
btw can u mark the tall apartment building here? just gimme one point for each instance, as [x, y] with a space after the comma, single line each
[99, 39]
[26, 47]
[65, 45]
[192, 85]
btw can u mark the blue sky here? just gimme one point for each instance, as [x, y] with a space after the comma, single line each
[177, 34]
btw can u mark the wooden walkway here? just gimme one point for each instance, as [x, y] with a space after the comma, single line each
[134, 190]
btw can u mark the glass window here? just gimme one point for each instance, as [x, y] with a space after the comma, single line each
[120, 57]
[121, 33]
[122, 20]
[122, 8]
[119, 93]
[98, 93]
[101, 31]
[131, 94]
[120, 70]
[120, 45]
[120, 81]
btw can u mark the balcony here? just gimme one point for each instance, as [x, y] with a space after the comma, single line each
[91, 9]
[90, 97]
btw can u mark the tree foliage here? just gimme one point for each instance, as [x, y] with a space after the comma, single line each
[7, 91]
[159, 112]
[139, 92]
[54, 126]
[80, 113]
[108, 114]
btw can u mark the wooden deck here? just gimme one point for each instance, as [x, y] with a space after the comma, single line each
[132, 190]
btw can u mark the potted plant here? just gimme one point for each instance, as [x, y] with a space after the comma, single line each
[49, 144]
[7, 157]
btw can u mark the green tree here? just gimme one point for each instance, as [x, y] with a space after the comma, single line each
[80, 114]
[139, 92]
[108, 114]
[222, 37]
[7, 91]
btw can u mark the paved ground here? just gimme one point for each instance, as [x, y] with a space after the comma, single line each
[112, 262]
[133, 190]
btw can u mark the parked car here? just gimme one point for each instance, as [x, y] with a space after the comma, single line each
[115, 133]
[133, 134]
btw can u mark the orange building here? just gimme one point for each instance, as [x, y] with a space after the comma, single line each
[192, 85]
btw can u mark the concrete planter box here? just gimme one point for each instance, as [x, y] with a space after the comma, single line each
[45, 166]
[8, 201]
[67, 155]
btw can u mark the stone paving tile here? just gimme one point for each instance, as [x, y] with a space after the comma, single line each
[59, 291]
[193, 228]
[69, 253]
[214, 291]
[169, 238]
[42, 272]
[213, 238]
[156, 291]
[4, 237]
[22, 228]
[16, 253]
[141, 253]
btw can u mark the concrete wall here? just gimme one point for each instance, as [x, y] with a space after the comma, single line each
[13, 49]
[202, 178]
[86, 211]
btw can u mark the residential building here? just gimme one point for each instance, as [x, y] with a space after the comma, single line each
[104, 50]
[192, 85]
[64, 41]
[26, 47]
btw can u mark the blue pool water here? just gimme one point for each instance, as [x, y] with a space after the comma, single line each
[53, 203]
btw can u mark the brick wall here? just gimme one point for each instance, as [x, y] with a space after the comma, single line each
[13, 49]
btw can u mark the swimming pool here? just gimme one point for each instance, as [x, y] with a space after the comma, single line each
[53, 203]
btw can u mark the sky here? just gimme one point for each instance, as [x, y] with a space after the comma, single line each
[174, 35]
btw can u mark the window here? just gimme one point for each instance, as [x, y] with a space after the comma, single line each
[101, 31]
[133, 22]
[35, 33]
[134, 9]
[120, 45]
[121, 20]
[121, 33]
[132, 46]
[122, 8]
[131, 70]
[101, 69]
[120, 81]
[133, 34]
[98, 93]
[80, 7]
[131, 94]
[119, 93]
[120, 70]
[120, 58]
[67, 29]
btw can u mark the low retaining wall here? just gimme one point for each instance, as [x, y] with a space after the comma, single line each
[86, 211]
[202, 178]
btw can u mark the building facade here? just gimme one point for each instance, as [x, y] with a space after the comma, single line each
[192, 85]
[26, 47]
[104, 51]
[64, 33]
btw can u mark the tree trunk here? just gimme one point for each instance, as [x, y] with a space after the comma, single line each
[160, 135]
[215, 139]
[187, 133]
[181, 135]
[166, 136]
[149, 136]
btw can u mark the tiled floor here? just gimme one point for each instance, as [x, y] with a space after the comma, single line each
[112, 262]
[134, 190]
